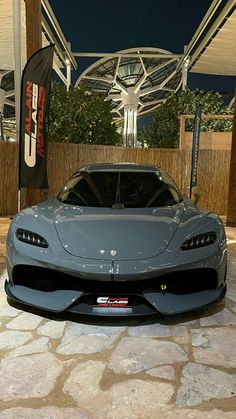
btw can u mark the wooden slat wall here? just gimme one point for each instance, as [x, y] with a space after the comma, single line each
[8, 178]
[213, 179]
[64, 159]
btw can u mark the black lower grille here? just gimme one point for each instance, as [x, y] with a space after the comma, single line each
[181, 282]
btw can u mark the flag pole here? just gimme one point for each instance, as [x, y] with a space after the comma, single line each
[16, 7]
[195, 148]
[33, 16]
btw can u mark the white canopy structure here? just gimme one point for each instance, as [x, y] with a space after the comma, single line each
[51, 33]
[137, 81]
[215, 53]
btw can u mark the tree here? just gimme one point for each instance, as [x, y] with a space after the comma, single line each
[164, 129]
[79, 116]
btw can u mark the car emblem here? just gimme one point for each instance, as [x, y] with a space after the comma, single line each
[113, 252]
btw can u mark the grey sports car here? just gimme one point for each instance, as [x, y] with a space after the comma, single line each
[119, 239]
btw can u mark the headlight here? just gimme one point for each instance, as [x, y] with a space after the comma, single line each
[200, 240]
[29, 237]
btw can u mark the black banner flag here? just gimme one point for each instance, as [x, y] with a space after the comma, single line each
[34, 119]
[195, 147]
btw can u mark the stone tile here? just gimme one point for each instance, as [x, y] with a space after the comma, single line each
[3, 276]
[3, 297]
[189, 323]
[232, 298]
[231, 290]
[185, 319]
[3, 273]
[231, 285]
[83, 382]
[222, 318]
[138, 399]
[215, 346]
[133, 355]
[27, 377]
[153, 330]
[52, 329]
[231, 276]
[199, 337]
[10, 339]
[201, 383]
[25, 321]
[165, 371]
[179, 330]
[180, 334]
[234, 308]
[86, 339]
[47, 412]
[8, 311]
[37, 346]
[231, 264]
[199, 414]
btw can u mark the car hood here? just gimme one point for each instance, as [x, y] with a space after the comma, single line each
[104, 233]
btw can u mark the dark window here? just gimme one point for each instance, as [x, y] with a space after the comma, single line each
[130, 189]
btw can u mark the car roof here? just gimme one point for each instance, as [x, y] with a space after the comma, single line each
[120, 167]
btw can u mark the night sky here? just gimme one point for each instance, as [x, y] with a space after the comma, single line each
[110, 26]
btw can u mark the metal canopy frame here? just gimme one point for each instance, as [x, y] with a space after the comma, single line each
[64, 52]
[54, 34]
[200, 30]
[214, 28]
[212, 21]
[136, 80]
[139, 55]
[63, 61]
[126, 55]
[206, 31]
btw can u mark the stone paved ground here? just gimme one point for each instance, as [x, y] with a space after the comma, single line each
[176, 368]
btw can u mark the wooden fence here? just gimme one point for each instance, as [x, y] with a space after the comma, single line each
[64, 159]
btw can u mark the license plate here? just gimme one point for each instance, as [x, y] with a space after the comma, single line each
[112, 302]
[112, 310]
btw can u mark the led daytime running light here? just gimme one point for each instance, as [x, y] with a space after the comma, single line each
[200, 240]
[29, 237]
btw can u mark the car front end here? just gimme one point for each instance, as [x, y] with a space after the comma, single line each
[61, 258]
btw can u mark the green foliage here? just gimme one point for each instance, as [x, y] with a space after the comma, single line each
[164, 129]
[79, 116]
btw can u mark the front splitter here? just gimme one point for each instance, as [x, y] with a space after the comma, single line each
[148, 303]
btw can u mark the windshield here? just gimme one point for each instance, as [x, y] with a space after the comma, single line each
[120, 190]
